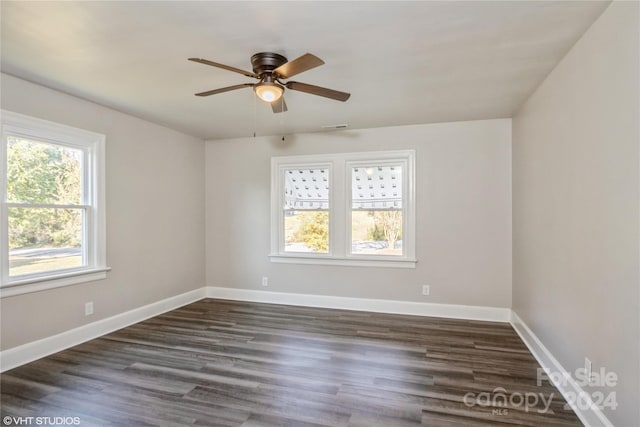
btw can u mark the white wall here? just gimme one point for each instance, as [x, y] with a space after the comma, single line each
[576, 206]
[155, 217]
[463, 215]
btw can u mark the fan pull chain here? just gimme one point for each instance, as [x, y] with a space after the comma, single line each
[255, 114]
[281, 100]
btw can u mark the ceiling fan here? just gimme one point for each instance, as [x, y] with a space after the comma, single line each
[270, 69]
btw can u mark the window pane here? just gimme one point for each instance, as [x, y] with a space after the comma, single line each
[376, 232]
[44, 239]
[306, 210]
[376, 215]
[39, 172]
[306, 231]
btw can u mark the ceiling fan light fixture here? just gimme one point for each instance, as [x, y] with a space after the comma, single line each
[268, 91]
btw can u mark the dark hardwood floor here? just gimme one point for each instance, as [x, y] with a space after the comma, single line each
[225, 363]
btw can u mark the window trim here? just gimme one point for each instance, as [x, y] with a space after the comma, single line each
[340, 209]
[93, 203]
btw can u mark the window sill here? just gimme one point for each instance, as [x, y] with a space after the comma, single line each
[30, 285]
[345, 262]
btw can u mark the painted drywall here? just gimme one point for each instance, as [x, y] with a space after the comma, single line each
[155, 217]
[463, 191]
[576, 207]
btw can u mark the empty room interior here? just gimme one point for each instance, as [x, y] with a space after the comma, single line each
[320, 213]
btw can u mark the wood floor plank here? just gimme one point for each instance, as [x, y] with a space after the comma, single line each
[239, 364]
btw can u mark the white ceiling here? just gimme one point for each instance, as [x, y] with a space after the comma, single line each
[403, 62]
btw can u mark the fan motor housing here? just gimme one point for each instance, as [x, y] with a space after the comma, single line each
[265, 62]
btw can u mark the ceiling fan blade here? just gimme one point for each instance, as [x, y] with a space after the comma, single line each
[298, 65]
[320, 91]
[279, 106]
[224, 89]
[225, 67]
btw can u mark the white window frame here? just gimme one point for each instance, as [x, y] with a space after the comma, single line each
[282, 168]
[339, 166]
[93, 203]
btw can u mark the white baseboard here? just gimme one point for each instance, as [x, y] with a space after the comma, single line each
[468, 312]
[591, 417]
[29, 352]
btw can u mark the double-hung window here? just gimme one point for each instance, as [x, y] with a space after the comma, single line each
[52, 214]
[306, 208]
[344, 209]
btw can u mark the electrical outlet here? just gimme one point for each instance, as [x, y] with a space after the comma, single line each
[426, 290]
[88, 308]
[265, 281]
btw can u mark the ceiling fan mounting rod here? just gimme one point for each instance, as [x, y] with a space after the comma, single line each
[268, 77]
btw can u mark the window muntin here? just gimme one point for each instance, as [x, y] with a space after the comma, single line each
[306, 210]
[377, 213]
[349, 217]
[52, 212]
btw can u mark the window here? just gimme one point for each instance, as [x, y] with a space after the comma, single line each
[52, 215]
[376, 208]
[344, 209]
[306, 209]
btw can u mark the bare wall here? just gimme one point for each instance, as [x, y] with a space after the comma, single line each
[576, 206]
[155, 217]
[463, 214]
